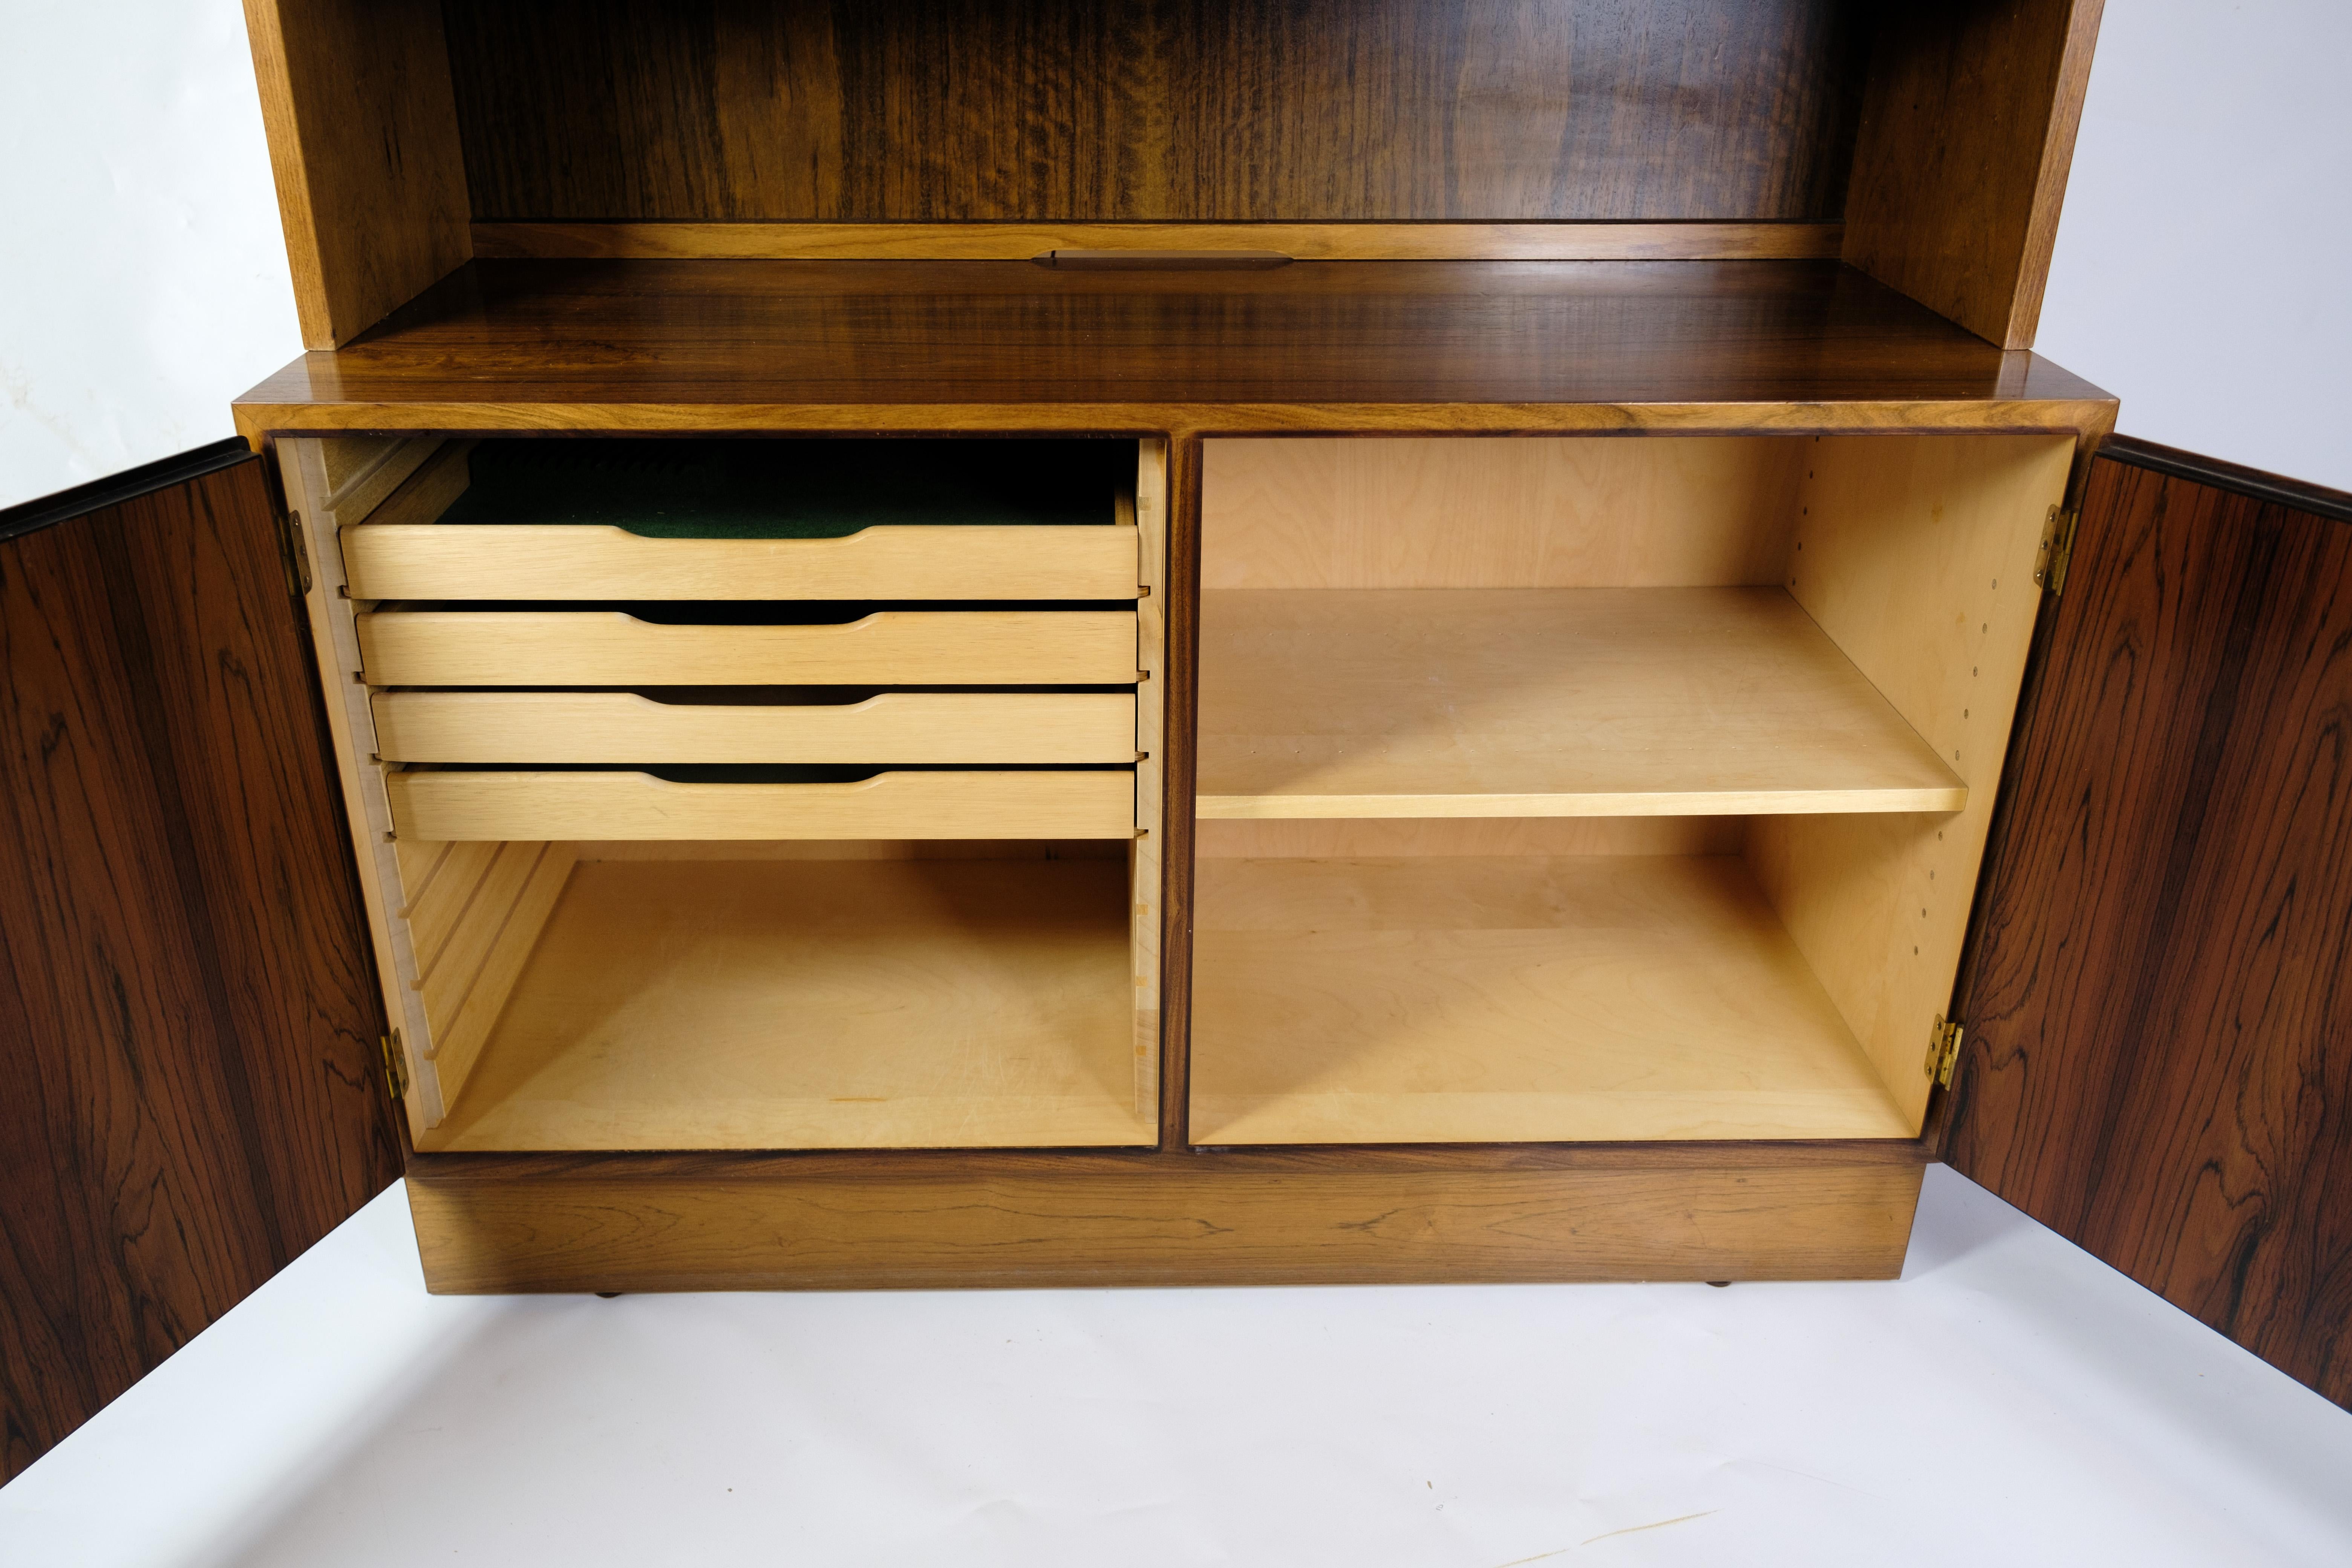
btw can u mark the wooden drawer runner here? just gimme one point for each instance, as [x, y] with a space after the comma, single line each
[622, 726]
[611, 648]
[432, 561]
[525, 804]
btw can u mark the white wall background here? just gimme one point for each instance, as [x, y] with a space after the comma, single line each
[2204, 265]
[2201, 272]
[142, 278]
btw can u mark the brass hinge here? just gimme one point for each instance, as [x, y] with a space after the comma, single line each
[2057, 550]
[1943, 1050]
[396, 1066]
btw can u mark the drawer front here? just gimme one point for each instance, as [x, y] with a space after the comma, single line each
[608, 648]
[622, 726]
[431, 560]
[614, 805]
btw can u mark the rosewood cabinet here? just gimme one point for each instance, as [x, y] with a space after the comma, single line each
[1019, 644]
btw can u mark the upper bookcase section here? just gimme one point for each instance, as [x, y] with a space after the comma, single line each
[1926, 146]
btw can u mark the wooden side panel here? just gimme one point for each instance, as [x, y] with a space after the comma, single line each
[1967, 131]
[438, 890]
[1150, 727]
[360, 471]
[363, 141]
[188, 1089]
[910, 111]
[1178, 779]
[512, 929]
[430, 488]
[767, 1223]
[1916, 557]
[2159, 1058]
[370, 476]
[447, 977]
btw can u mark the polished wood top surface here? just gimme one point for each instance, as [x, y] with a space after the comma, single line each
[1495, 346]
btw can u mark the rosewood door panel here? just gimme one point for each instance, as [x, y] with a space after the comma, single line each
[2159, 1056]
[188, 1019]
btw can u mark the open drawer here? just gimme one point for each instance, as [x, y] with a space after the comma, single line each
[755, 520]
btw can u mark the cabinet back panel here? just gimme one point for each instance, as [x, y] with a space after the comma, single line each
[1446, 513]
[915, 111]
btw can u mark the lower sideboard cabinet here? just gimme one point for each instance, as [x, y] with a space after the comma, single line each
[1408, 858]
[1577, 861]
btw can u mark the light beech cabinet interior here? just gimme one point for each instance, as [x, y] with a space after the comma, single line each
[948, 947]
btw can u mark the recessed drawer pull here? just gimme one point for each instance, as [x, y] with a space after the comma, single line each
[892, 727]
[608, 648]
[1098, 804]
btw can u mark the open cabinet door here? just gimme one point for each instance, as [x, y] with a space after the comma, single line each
[2157, 1061]
[189, 1087]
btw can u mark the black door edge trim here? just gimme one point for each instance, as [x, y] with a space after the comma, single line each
[2253, 482]
[48, 512]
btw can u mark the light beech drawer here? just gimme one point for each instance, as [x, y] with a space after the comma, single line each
[437, 561]
[429, 805]
[610, 648]
[894, 727]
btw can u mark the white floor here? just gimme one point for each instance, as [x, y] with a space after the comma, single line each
[2010, 1401]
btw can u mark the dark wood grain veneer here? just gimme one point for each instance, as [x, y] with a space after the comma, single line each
[1498, 347]
[1458, 1214]
[1968, 131]
[363, 142]
[188, 1098]
[2158, 1058]
[1201, 110]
